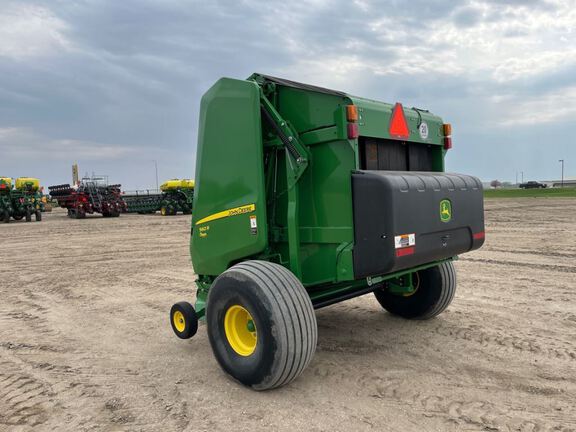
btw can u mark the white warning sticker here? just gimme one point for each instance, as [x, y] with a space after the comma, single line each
[253, 225]
[404, 240]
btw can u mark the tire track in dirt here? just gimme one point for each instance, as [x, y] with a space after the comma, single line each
[549, 267]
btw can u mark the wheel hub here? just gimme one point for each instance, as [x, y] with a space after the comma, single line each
[179, 321]
[240, 330]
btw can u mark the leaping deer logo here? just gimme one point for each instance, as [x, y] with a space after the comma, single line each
[445, 210]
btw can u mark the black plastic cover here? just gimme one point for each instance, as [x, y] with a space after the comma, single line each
[403, 219]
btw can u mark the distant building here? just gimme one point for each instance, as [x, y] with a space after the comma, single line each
[558, 183]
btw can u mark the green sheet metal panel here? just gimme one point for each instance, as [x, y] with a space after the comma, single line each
[229, 220]
[374, 121]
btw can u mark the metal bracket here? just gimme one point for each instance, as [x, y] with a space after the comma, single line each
[299, 156]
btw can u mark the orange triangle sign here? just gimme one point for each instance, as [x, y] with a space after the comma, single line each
[398, 126]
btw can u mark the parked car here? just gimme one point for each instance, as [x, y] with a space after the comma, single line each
[532, 185]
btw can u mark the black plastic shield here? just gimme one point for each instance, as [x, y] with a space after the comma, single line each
[404, 219]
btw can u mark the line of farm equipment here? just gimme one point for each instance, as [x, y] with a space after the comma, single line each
[94, 196]
[175, 196]
[89, 197]
[21, 199]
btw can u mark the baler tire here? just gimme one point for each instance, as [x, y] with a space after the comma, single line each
[38, 216]
[163, 211]
[183, 320]
[434, 294]
[17, 217]
[6, 217]
[28, 216]
[275, 304]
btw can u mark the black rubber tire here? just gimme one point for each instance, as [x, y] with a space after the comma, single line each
[6, 217]
[284, 317]
[28, 216]
[434, 294]
[38, 216]
[190, 320]
[17, 217]
[163, 211]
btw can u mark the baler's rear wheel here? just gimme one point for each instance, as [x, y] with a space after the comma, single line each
[261, 324]
[38, 215]
[163, 211]
[28, 215]
[434, 291]
[6, 217]
[17, 217]
[183, 320]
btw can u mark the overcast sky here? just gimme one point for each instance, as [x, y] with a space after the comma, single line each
[115, 85]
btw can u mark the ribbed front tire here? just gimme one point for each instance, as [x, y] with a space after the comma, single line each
[261, 324]
[435, 288]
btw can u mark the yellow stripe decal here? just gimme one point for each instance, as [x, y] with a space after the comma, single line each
[230, 212]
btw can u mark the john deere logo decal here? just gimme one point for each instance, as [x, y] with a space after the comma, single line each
[445, 210]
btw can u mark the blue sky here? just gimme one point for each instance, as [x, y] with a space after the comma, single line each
[115, 85]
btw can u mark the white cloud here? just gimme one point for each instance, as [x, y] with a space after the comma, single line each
[553, 107]
[21, 144]
[28, 31]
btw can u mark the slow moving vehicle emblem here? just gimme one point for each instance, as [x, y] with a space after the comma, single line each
[445, 210]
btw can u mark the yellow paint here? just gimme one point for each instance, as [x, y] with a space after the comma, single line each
[22, 182]
[230, 212]
[204, 230]
[179, 321]
[240, 330]
[177, 184]
[7, 180]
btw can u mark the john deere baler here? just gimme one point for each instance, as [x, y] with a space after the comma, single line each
[306, 197]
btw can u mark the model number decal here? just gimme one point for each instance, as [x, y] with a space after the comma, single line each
[404, 240]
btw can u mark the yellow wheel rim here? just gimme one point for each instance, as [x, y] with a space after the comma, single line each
[179, 321]
[163, 211]
[240, 330]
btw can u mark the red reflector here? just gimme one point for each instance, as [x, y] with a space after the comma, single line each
[2, 186]
[479, 236]
[447, 143]
[405, 251]
[398, 126]
[352, 130]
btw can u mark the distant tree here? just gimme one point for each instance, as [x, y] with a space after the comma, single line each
[495, 184]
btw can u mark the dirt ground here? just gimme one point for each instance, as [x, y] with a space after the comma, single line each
[85, 342]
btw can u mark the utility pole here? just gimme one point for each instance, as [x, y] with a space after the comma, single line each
[562, 181]
[516, 178]
[522, 172]
[156, 168]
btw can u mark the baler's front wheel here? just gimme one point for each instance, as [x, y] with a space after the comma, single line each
[261, 324]
[434, 291]
[6, 217]
[183, 320]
